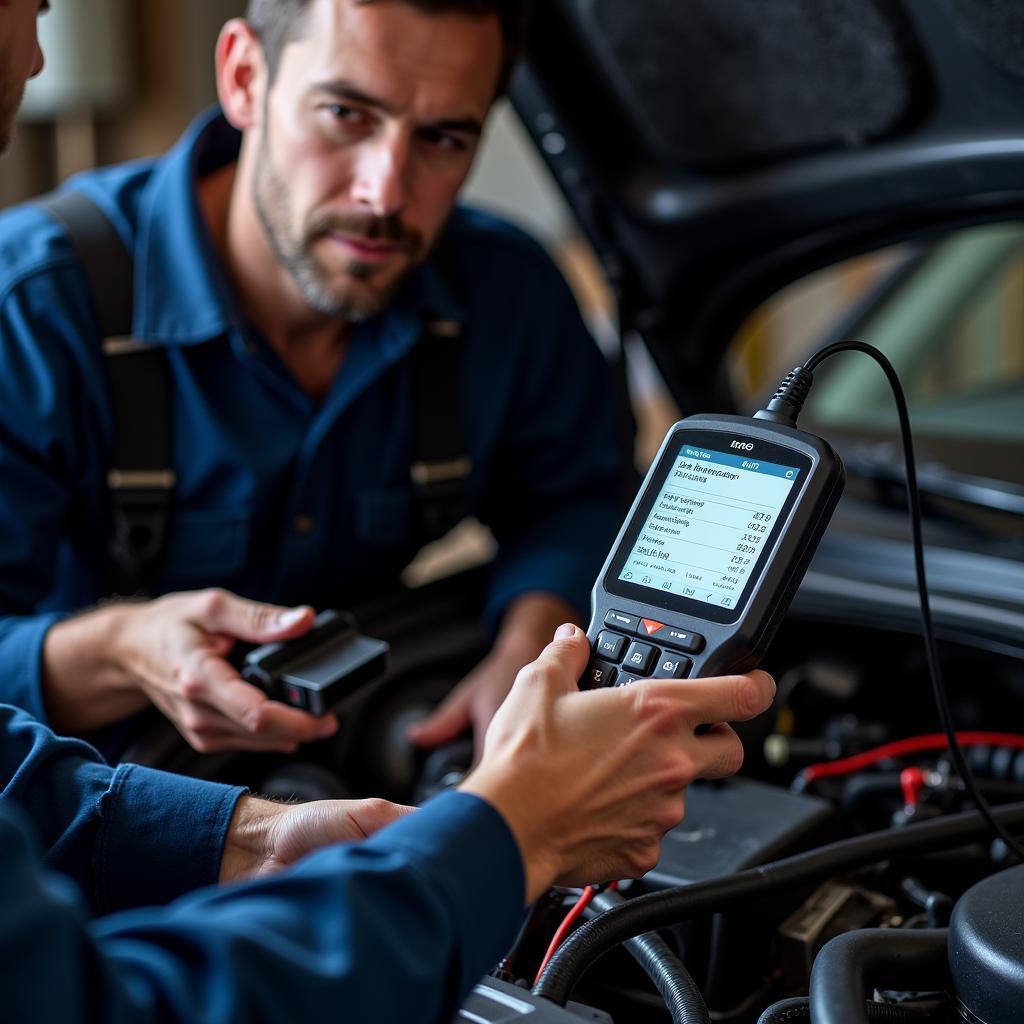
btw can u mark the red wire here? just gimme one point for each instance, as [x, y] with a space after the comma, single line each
[566, 926]
[563, 929]
[913, 745]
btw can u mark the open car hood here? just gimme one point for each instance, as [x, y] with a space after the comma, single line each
[716, 150]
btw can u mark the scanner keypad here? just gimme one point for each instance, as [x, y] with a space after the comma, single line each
[639, 658]
[610, 645]
[620, 658]
[598, 674]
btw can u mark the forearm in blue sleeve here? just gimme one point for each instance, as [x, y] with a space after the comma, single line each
[558, 554]
[128, 836]
[21, 658]
[395, 929]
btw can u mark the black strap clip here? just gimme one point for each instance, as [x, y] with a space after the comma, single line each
[441, 468]
[140, 504]
[140, 479]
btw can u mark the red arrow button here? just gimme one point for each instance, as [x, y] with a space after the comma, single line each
[651, 626]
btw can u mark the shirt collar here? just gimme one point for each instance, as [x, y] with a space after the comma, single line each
[182, 294]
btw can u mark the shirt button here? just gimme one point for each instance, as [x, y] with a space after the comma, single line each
[303, 525]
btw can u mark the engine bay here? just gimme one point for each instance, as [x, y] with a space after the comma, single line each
[839, 859]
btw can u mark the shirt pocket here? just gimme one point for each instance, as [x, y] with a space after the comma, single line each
[205, 548]
[384, 516]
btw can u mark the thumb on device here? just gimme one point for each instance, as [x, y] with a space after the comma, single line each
[224, 613]
[561, 663]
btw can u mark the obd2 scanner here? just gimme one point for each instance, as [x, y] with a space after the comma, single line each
[712, 551]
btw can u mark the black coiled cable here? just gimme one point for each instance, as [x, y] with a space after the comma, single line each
[682, 997]
[927, 626]
[798, 1011]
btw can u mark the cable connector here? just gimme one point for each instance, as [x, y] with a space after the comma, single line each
[788, 401]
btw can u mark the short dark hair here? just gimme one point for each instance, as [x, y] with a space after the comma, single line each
[276, 22]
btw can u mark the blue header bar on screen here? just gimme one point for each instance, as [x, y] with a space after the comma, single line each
[749, 465]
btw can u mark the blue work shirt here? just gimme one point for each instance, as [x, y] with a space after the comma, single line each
[127, 836]
[397, 928]
[278, 498]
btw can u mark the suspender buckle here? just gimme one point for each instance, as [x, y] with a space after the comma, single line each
[444, 328]
[441, 486]
[440, 469]
[141, 480]
[120, 345]
[445, 471]
[140, 502]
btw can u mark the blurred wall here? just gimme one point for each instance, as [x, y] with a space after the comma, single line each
[167, 50]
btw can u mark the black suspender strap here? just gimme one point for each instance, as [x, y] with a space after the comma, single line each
[140, 478]
[441, 467]
[140, 475]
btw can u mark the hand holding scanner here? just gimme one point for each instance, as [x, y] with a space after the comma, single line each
[712, 551]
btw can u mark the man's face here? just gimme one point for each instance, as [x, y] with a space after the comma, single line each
[20, 58]
[370, 129]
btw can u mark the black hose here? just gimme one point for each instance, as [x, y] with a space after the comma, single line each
[862, 787]
[850, 966]
[865, 787]
[672, 980]
[670, 906]
[798, 1010]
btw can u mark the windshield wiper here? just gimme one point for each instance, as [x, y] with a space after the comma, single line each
[882, 465]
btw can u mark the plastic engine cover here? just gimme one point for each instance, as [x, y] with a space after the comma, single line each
[986, 950]
[496, 1002]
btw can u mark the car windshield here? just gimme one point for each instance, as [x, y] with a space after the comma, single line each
[950, 317]
[954, 330]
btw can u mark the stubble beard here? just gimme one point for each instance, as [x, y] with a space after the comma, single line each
[361, 296]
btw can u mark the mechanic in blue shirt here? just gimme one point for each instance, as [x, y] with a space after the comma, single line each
[283, 260]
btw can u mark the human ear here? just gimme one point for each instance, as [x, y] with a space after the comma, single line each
[241, 69]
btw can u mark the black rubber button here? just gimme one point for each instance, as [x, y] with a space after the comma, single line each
[610, 645]
[639, 658]
[672, 666]
[599, 674]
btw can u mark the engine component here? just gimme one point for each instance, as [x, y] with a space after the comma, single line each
[986, 949]
[497, 1002]
[682, 997]
[734, 825]
[851, 965]
[731, 826]
[658, 910]
[832, 909]
[798, 1011]
[937, 905]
